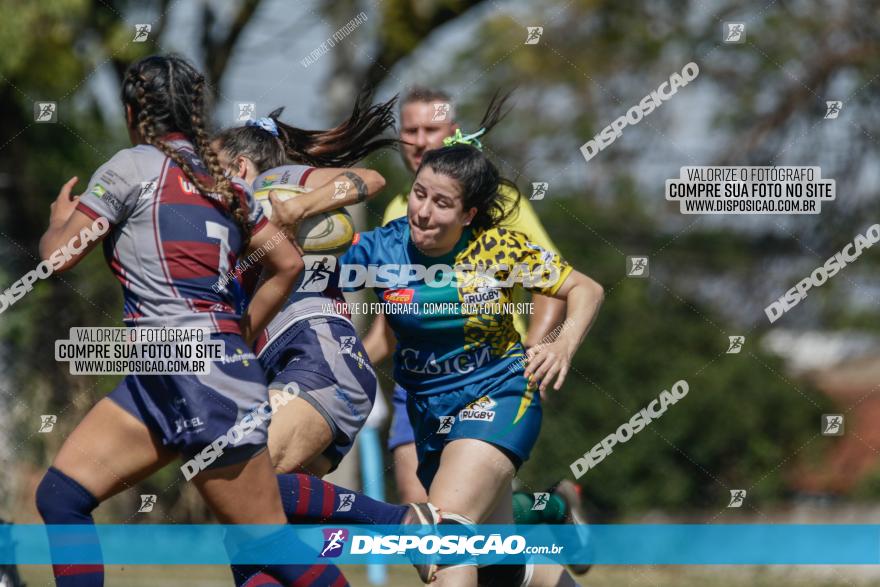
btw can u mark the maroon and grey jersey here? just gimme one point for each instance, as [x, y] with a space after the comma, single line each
[170, 246]
[317, 301]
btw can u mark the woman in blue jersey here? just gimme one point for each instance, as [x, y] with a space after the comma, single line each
[176, 225]
[472, 388]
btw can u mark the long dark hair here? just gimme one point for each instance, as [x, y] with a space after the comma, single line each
[341, 146]
[167, 94]
[477, 175]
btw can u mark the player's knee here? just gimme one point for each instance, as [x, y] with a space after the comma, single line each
[61, 500]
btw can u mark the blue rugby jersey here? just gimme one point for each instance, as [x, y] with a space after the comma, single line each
[446, 344]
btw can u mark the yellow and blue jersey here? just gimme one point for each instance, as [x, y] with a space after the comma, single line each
[452, 320]
[521, 218]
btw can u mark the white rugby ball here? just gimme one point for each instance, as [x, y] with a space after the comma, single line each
[328, 232]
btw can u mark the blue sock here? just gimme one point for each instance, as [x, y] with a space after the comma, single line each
[61, 500]
[309, 500]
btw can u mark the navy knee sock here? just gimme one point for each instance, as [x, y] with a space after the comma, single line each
[309, 500]
[271, 547]
[61, 500]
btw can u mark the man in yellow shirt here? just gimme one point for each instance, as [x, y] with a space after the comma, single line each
[426, 118]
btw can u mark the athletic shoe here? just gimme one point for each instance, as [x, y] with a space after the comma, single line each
[428, 515]
[570, 493]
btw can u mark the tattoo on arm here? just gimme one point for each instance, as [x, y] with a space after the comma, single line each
[360, 184]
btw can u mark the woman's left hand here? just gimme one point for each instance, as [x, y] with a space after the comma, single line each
[64, 205]
[548, 362]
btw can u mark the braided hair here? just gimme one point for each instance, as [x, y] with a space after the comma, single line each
[166, 94]
[341, 146]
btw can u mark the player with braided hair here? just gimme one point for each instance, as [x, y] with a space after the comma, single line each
[176, 225]
[310, 343]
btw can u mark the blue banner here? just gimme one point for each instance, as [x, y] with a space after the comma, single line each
[621, 544]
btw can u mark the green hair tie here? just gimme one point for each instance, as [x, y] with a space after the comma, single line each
[459, 139]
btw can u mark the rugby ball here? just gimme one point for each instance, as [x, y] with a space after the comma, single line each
[326, 233]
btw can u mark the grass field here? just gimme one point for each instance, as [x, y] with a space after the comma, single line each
[399, 576]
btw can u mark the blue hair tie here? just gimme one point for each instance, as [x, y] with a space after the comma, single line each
[267, 124]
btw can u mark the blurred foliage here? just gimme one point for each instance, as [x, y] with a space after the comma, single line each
[760, 102]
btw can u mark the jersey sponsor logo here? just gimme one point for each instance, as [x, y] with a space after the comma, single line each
[414, 361]
[98, 191]
[483, 295]
[480, 409]
[186, 186]
[399, 296]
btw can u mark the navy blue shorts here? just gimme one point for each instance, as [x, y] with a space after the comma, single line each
[190, 412]
[504, 411]
[325, 358]
[401, 431]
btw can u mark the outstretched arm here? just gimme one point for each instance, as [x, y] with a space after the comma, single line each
[72, 234]
[550, 361]
[332, 188]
